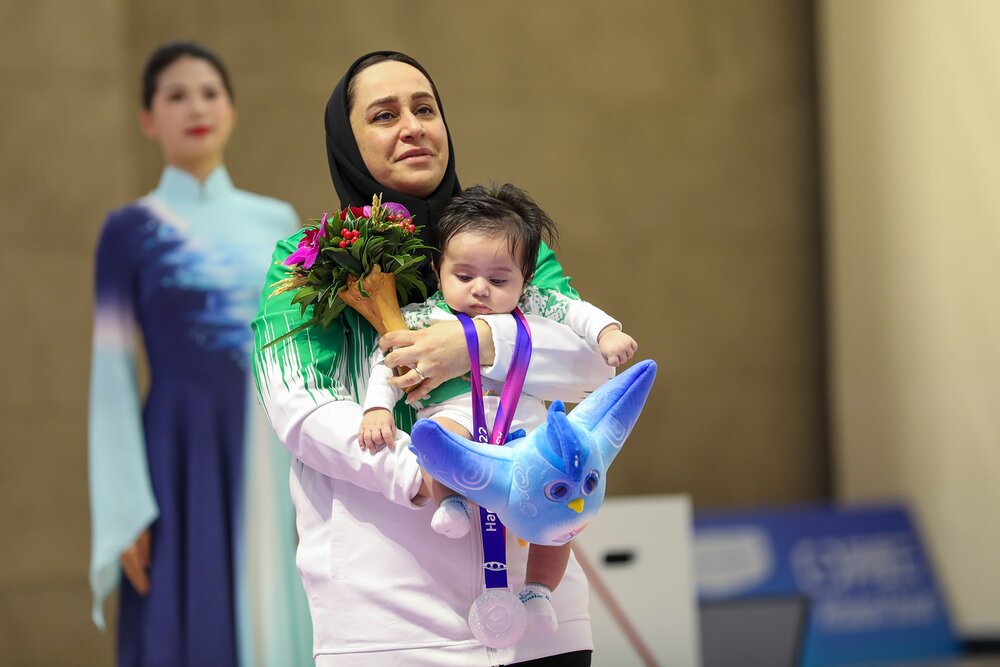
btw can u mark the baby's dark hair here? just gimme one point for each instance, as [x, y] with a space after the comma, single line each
[504, 211]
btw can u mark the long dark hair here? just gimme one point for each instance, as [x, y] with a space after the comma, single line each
[166, 54]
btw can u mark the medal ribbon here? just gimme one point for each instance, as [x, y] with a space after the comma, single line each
[494, 541]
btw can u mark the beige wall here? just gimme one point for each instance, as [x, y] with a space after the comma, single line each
[64, 157]
[674, 142]
[912, 96]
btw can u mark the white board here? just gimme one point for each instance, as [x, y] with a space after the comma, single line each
[639, 551]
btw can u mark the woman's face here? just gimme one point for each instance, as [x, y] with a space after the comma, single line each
[191, 115]
[398, 128]
[478, 275]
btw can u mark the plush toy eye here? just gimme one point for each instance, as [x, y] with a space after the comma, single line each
[557, 491]
[590, 483]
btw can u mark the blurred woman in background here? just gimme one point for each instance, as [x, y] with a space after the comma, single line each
[189, 493]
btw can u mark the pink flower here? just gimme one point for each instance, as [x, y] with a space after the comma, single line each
[308, 248]
[396, 209]
[391, 207]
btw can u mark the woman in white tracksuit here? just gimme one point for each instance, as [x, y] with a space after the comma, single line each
[383, 588]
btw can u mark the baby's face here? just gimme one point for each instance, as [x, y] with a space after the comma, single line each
[479, 275]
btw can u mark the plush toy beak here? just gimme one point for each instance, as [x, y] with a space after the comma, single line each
[576, 505]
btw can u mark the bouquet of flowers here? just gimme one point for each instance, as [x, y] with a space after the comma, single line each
[366, 258]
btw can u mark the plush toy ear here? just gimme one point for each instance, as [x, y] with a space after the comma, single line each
[609, 413]
[566, 447]
[470, 468]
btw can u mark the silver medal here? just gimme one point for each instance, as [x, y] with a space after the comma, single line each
[498, 618]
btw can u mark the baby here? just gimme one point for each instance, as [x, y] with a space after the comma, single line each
[489, 240]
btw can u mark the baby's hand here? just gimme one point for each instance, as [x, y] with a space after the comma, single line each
[377, 430]
[616, 345]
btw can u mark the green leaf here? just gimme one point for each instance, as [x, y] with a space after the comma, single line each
[405, 282]
[409, 263]
[305, 295]
[324, 295]
[331, 313]
[345, 260]
[302, 327]
[400, 263]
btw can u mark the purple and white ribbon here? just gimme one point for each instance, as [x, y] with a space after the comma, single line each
[494, 544]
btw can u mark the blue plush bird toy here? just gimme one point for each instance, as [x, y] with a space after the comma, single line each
[547, 486]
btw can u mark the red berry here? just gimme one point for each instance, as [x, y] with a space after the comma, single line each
[343, 244]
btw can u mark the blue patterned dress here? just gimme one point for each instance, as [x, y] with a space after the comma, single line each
[197, 463]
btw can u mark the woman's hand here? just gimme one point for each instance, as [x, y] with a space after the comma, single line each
[135, 563]
[434, 355]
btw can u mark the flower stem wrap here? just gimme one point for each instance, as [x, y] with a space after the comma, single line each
[381, 306]
[366, 258]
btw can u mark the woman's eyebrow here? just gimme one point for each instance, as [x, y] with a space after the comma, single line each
[389, 99]
[183, 86]
[393, 99]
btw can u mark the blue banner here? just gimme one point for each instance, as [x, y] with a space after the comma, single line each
[868, 582]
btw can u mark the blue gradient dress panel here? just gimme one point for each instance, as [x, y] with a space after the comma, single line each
[184, 268]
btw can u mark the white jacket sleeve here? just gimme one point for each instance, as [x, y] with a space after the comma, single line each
[310, 385]
[326, 440]
[563, 365]
[380, 394]
[586, 319]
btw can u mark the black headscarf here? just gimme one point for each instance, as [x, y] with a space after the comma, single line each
[354, 183]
